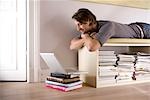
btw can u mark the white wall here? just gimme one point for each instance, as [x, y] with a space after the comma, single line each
[57, 27]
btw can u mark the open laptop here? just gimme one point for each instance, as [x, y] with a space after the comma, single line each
[55, 66]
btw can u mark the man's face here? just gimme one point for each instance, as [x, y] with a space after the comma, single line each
[83, 27]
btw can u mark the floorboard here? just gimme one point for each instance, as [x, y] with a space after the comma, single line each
[38, 91]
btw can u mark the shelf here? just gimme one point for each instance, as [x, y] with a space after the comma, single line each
[127, 42]
[89, 61]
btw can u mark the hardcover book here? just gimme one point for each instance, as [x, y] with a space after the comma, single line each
[66, 76]
[63, 80]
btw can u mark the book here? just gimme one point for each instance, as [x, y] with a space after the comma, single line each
[64, 85]
[66, 76]
[65, 89]
[143, 60]
[130, 59]
[63, 80]
[106, 53]
[143, 54]
[107, 63]
[125, 63]
[108, 60]
[107, 71]
[125, 68]
[107, 57]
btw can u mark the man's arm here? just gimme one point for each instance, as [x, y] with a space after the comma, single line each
[89, 41]
[76, 43]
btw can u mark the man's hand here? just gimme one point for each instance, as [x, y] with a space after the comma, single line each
[90, 42]
[87, 40]
[84, 36]
[93, 34]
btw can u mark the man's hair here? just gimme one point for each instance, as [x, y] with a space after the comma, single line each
[83, 15]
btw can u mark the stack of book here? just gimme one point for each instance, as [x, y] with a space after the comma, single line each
[107, 58]
[63, 82]
[125, 66]
[126, 59]
[143, 61]
[142, 66]
[107, 66]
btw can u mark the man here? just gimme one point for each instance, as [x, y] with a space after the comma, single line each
[95, 33]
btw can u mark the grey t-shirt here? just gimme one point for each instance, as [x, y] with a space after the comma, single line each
[110, 29]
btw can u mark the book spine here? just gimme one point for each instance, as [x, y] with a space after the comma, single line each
[54, 78]
[56, 87]
[60, 75]
[64, 85]
[63, 88]
[61, 80]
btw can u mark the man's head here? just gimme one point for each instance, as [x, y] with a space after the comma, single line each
[85, 20]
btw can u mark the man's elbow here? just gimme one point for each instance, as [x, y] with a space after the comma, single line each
[93, 48]
[73, 44]
[72, 47]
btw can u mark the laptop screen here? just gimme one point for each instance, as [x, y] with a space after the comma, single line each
[52, 63]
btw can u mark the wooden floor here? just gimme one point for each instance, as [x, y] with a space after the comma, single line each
[37, 91]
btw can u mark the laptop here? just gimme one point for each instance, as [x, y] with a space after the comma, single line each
[55, 66]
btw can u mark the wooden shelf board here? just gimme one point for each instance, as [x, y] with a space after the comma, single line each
[127, 42]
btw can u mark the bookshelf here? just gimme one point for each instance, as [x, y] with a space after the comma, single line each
[89, 61]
